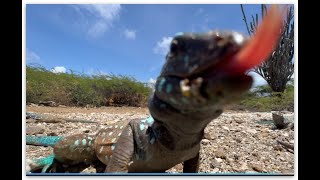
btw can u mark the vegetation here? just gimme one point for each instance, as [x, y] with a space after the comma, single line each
[264, 99]
[80, 90]
[279, 67]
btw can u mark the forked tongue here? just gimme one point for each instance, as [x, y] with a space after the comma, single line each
[260, 46]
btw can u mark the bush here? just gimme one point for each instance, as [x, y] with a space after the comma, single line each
[80, 90]
[273, 102]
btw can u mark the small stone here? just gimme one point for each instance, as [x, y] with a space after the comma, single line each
[52, 134]
[220, 154]
[243, 167]
[239, 121]
[225, 128]
[277, 147]
[208, 136]
[252, 131]
[86, 130]
[215, 170]
[219, 160]
[34, 130]
[205, 141]
[215, 164]
[257, 167]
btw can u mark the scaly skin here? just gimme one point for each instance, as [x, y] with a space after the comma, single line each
[190, 92]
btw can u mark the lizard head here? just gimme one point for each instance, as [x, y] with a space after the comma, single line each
[197, 60]
[212, 66]
[194, 54]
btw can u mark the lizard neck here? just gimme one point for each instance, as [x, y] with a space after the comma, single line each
[175, 138]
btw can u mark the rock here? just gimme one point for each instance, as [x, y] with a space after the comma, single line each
[86, 130]
[205, 141]
[215, 164]
[277, 147]
[256, 167]
[244, 167]
[255, 154]
[220, 154]
[225, 128]
[48, 103]
[208, 135]
[31, 121]
[215, 170]
[252, 131]
[32, 105]
[52, 134]
[219, 160]
[239, 121]
[34, 130]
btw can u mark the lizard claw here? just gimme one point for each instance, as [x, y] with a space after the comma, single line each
[41, 163]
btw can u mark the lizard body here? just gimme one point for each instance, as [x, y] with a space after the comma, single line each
[189, 93]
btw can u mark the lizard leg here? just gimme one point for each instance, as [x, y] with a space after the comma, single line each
[122, 153]
[43, 164]
[191, 165]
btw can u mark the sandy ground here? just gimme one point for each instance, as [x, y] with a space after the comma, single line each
[235, 142]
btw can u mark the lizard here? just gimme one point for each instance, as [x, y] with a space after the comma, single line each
[203, 72]
[52, 119]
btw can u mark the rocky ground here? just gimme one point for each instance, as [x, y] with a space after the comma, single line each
[236, 142]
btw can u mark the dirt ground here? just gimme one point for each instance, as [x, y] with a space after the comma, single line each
[235, 142]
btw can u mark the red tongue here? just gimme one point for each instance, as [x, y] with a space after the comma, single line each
[260, 46]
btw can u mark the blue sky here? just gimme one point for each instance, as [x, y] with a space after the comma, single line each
[119, 39]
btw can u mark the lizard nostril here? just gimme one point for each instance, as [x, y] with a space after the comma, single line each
[219, 94]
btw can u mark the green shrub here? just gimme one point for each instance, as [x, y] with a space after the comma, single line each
[273, 102]
[80, 90]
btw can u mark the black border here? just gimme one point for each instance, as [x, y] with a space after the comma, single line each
[12, 84]
[308, 107]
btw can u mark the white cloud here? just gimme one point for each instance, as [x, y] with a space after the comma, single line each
[59, 69]
[152, 81]
[257, 79]
[98, 29]
[130, 34]
[163, 46]
[104, 17]
[32, 57]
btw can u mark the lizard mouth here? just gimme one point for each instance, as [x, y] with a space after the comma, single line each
[229, 73]
[260, 46]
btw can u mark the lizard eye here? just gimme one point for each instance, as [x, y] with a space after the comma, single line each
[174, 46]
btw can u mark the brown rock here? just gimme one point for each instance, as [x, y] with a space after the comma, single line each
[220, 154]
[33, 130]
[256, 167]
[52, 134]
[215, 164]
[205, 141]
